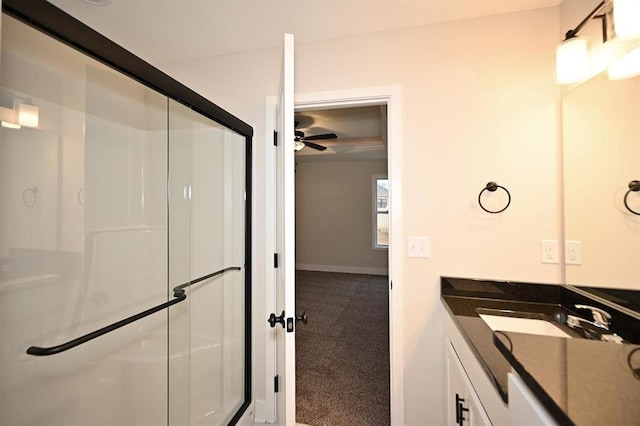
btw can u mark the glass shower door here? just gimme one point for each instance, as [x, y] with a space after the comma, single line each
[124, 245]
[207, 249]
[83, 238]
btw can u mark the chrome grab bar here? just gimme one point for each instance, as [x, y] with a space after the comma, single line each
[178, 294]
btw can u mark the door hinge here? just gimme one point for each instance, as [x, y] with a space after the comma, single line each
[275, 138]
[275, 260]
[276, 384]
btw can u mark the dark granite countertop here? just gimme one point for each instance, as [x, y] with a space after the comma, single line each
[579, 381]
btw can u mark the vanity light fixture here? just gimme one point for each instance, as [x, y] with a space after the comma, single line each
[28, 114]
[572, 60]
[626, 19]
[10, 125]
[572, 55]
[16, 112]
[626, 67]
[7, 113]
[620, 22]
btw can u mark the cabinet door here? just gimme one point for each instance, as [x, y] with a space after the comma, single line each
[463, 405]
[524, 407]
[476, 414]
[456, 387]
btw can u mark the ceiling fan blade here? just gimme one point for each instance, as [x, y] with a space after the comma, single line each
[314, 145]
[321, 137]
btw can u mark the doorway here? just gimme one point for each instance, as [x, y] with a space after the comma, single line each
[342, 354]
[381, 95]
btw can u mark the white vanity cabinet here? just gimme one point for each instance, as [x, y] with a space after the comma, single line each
[467, 379]
[463, 405]
[472, 398]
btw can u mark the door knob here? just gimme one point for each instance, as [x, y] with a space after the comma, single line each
[273, 319]
[302, 317]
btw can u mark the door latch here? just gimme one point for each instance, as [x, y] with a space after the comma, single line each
[273, 319]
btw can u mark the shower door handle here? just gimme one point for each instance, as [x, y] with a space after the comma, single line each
[179, 295]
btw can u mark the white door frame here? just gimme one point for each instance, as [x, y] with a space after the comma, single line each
[385, 95]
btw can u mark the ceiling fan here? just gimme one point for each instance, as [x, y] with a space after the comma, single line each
[302, 140]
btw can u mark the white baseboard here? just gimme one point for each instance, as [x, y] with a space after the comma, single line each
[343, 269]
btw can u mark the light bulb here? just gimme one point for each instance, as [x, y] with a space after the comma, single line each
[626, 67]
[572, 60]
[28, 115]
[10, 125]
[626, 19]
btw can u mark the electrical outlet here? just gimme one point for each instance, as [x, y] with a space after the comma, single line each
[573, 252]
[549, 251]
[418, 247]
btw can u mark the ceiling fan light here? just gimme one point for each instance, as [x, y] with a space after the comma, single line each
[298, 145]
[572, 60]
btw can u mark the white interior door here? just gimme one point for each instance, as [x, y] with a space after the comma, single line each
[285, 242]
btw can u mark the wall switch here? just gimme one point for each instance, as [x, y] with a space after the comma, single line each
[418, 247]
[549, 251]
[573, 252]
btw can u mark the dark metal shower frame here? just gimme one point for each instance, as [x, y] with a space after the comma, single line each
[61, 26]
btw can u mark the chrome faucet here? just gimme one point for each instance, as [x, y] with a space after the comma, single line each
[601, 321]
[601, 318]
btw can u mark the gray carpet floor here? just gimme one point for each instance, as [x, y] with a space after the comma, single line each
[342, 354]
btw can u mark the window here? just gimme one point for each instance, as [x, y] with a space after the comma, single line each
[380, 212]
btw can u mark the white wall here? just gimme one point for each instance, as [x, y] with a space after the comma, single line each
[334, 219]
[479, 103]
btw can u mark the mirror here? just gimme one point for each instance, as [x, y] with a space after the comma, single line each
[601, 143]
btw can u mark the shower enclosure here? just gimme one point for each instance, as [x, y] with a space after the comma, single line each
[124, 236]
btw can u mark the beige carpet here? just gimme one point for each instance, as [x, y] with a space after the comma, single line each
[342, 354]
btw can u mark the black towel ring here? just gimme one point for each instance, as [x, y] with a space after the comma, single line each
[634, 186]
[636, 370]
[30, 196]
[492, 187]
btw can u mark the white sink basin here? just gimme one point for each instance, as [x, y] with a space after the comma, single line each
[523, 325]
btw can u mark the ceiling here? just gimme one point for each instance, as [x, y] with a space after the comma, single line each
[173, 30]
[164, 31]
[361, 133]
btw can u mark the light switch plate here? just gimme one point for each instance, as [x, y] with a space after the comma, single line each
[418, 247]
